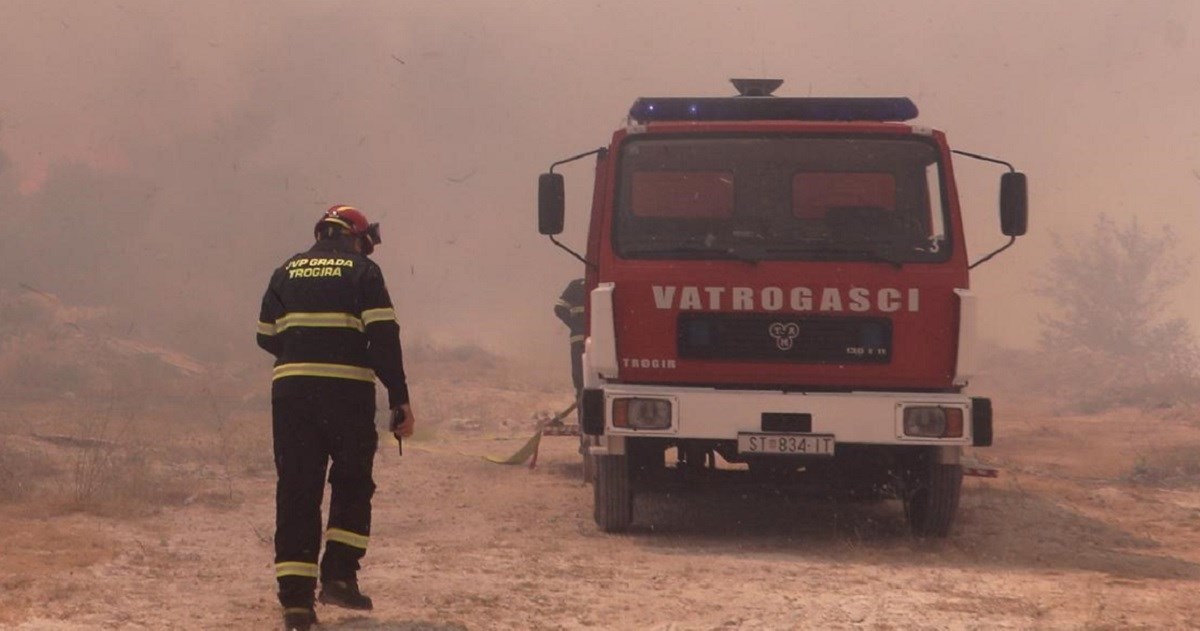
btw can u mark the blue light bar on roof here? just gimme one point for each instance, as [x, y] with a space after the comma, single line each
[755, 108]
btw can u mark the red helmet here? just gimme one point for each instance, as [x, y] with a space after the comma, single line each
[354, 221]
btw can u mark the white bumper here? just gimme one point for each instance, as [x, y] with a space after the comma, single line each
[851, 417]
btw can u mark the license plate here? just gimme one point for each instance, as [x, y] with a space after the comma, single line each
[790, 444]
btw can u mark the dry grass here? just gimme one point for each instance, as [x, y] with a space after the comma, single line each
[129, 456]
[469, 385]
[133, 448]
[1086, 382]
[22, 471]
[119, 467]
[124, 480]
[1171, 466]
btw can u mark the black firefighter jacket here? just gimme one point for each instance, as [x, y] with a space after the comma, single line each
[327, 314]
[570, 309]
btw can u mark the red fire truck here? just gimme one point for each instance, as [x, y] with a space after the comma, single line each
[779, 285]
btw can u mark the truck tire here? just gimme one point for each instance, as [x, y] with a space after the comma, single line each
[931, 500]
[613, 493]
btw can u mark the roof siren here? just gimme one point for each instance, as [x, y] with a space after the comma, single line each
[756, 87]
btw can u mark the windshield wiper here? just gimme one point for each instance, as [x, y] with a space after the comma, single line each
[878, 255]
[750, 254]
[746, 255]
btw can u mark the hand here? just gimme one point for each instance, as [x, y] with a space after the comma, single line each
[402, 421]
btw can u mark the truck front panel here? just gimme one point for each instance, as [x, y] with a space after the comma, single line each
[773, 256]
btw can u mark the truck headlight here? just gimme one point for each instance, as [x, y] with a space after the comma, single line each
[639, 413]
[933, 422]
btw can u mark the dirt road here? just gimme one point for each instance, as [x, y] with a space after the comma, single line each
[1064, 538]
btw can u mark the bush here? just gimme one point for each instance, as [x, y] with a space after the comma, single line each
[1109, 340]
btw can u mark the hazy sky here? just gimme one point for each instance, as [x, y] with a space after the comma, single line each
[236, 122]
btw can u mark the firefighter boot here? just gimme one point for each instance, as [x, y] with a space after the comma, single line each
[299, 619]
[344, 594]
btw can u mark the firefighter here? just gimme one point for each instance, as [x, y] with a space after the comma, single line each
[328, 320]
[569, 309]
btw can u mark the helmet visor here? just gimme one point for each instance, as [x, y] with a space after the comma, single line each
[373, 233]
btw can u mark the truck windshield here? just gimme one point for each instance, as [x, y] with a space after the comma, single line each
[780, 197]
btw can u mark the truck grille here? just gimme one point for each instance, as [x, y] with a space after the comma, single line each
[783, 338]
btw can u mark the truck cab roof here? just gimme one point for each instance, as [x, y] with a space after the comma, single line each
[770, 108]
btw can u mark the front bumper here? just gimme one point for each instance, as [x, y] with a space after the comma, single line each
[872, 418]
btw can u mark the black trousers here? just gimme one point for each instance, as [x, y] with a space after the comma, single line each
[577, 364]
[331, 422]
[577, 373]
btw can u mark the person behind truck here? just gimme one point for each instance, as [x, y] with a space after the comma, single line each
[328, 320]
[569, 309]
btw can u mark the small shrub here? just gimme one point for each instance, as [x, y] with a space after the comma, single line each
[114, 474]
[123, 480]
[1176, 466]
[21, 472]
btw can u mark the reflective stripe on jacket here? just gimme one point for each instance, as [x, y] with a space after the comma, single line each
[327, 314]
[570, 308]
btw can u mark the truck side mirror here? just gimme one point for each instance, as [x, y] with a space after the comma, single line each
[550, 203]
[1014, 204]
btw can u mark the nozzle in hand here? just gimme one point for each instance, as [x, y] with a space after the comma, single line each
[401, 424]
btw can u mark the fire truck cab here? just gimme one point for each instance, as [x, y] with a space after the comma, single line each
[778, 289]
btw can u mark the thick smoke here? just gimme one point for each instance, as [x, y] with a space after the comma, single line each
[160, 158]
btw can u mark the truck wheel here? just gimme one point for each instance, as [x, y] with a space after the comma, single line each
[613, 493]
[931, 500]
